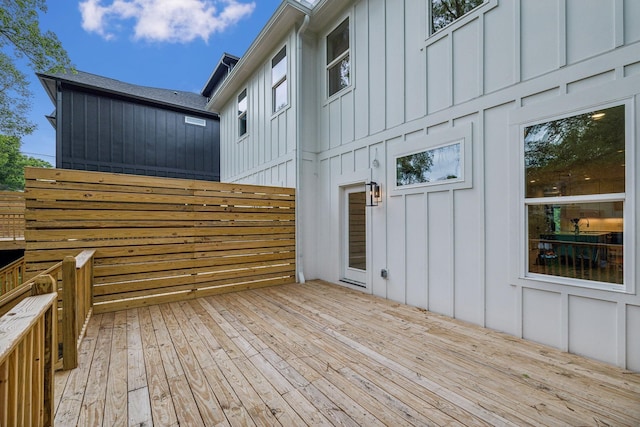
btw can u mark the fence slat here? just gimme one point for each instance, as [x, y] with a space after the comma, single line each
[155, 237]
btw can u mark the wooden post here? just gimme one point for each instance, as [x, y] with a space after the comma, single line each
[69, 325]
[45, 284]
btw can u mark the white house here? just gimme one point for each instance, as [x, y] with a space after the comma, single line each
[504, 141]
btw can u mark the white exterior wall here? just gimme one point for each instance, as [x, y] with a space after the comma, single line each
[453, 249]
[457, 251]
[265, 155]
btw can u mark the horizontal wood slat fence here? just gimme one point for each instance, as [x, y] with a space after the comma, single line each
[11, 220]
[159, 239]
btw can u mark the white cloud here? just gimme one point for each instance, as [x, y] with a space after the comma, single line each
[163, 20]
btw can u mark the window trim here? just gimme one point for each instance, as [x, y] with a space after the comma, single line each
[556, 111]
[462, 134]
[348, 52]
[433, 37]
[283, 80]
[242, 114]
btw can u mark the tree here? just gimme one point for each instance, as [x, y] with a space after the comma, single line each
[412, 169]
[22, 40]
[13, 162]
[444, 12]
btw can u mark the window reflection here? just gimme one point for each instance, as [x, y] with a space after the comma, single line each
[577, 240]
[438, 164]
[578, 155]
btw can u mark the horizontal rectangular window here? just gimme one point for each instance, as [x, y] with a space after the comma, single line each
[195, 121]
[430, 166]
[444, 12]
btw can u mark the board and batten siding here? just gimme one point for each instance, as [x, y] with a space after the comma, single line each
[265, 155]
[106, 133]
[456, 251]
[452, 249]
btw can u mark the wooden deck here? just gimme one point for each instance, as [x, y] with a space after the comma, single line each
[320, 354]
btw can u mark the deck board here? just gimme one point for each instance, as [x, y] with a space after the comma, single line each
[320, 354]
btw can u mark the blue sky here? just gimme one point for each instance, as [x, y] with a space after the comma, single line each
[172, 44]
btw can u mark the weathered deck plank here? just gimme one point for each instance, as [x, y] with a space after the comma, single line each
[319, 354]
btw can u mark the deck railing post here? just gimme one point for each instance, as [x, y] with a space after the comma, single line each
[69, 325]
[46, 284]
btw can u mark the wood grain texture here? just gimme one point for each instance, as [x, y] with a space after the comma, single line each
[321, 354]
[158, 239]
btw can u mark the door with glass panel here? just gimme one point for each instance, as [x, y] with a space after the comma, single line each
[354, 244]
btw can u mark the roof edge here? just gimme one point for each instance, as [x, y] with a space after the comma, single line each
[287, 14]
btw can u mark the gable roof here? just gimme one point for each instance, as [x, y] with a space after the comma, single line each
[164, 97]
[286, 16]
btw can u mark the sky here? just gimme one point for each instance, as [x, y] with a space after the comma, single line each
[171, 44]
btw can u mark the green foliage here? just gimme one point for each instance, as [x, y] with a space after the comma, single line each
[412, 169]
[444, 12]
[13, 162]
[21, 40]
[571, 149]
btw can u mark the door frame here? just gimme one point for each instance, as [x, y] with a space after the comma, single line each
[353, 277]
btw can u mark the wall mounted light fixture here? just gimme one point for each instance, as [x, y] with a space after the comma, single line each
[373, 193]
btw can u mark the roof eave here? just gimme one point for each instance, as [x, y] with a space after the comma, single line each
[44, 77]
[288, 14]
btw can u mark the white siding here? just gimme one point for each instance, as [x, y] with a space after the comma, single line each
[454, 250]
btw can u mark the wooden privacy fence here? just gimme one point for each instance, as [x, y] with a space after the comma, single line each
[27, 349]
[11, 216]
[160, 239]
[73, 279]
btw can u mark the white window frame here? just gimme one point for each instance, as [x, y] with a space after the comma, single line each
[434, 36]
[460, 134]
[558, 111]
[283, 80]
[348, 52]
[242, 114]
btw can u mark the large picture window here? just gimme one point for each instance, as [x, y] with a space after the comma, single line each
[574, 186]
[338, 64]
[242, 113]
[279, 92]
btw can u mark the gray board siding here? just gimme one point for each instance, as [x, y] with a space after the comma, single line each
[112, 134]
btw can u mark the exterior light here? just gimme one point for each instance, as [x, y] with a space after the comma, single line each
[597, 116]
[373, 193]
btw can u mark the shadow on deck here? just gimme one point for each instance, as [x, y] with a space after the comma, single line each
[325, 355]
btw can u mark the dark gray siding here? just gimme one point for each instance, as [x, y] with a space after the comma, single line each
[111, 134]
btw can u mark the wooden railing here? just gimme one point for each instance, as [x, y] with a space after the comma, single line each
[160, 239]
[77, 303]
[600, 262]
[11, 215]
[27, 351]
[12, 275]
[74, 282]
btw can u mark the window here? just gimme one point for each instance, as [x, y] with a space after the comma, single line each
[195, 121]
[574, 196]
[437, 161]
[444, 12]
[430, 166]
[279, 80]
[338, 65]
[242, 113]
